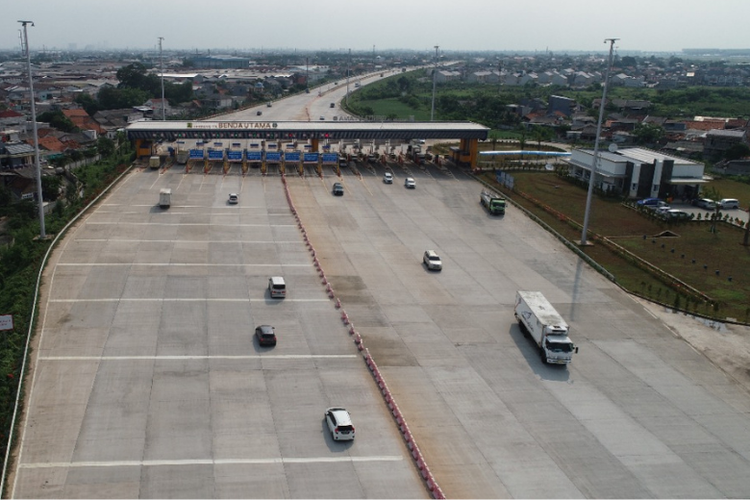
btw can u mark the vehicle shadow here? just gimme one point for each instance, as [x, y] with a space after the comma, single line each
[530, 351]
[333, 445]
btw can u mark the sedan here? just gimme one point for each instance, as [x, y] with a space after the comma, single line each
[233, 199]
[388, 178]
[266, 335]
[409, 183]
[706, 203]
[338, 189]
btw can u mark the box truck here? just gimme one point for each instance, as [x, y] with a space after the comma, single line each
[543, 323]
[165, 197]
[494, 203]
[154, 162]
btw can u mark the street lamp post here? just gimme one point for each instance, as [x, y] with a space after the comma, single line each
[39, 193]
[161, 69]
[434, 81]
[596, 141]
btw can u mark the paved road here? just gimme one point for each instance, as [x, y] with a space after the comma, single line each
[145, 363]
[147, 381]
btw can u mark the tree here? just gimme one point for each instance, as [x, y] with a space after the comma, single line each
[648, 133]
[89, 103]
[105, 145]
[58, 120]
[737, 151]
[132, 76]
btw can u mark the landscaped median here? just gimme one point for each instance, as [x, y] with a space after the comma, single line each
[683, 265]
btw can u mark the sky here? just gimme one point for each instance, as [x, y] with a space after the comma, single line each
[340, 25]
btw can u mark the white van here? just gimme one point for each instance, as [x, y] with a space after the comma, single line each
[277, 287]
[165, 197]
[729, 203]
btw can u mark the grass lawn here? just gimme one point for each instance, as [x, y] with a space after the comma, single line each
[693, 254]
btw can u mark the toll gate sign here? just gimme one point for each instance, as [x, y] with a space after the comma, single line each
[6, 322]
[330, 158]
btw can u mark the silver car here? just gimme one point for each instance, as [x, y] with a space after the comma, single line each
[432, 260]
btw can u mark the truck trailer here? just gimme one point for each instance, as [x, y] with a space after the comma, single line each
[543, 323]
[494, 203]
[165, 197]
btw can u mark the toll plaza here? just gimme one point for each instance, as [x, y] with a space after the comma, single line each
[294, 144]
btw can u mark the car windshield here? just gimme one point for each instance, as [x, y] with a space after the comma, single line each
[560, 346]
[434, 257]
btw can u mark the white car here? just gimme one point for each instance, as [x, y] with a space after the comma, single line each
[725, 203]
[233, 198]
[388, 178]
[432, 260]
[409, 183]
[339, 424]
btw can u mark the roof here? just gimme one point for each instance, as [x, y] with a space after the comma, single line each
[172, 130]
[19, 149]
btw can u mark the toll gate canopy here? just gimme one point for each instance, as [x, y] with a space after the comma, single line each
[304, 130]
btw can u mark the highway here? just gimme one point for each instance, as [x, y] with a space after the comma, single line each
[147, 382]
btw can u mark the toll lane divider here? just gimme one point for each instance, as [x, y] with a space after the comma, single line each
[390, 401]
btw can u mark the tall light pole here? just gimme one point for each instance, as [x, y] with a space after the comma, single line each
[161, 69]
[348, 61]
[596, 141]
[434, 82]
[39, 194]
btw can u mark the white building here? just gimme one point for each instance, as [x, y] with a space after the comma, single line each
[639, 172]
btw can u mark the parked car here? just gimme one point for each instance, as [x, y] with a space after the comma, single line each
[388, 178]
[338, 189]
[661, 208]
[726, 203]
[675, 214]
[432, 260]
[233, 199]
[339, 423]
[706, 203]
[649, 202]
[266, 335]
[409, 183]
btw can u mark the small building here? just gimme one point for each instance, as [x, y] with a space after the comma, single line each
[639, 173]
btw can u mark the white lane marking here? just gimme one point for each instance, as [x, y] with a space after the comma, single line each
[121, 223]
[182, 358]
[191, 299]
[173, 264]
[124, 240]
[209, 461]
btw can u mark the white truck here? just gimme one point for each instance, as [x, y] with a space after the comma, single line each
[154, 162]
[543, 323]
[165, 197]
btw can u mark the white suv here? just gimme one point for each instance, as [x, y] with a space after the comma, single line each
[340, 424]
[432, 260]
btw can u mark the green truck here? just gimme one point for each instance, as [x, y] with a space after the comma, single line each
[493, 202]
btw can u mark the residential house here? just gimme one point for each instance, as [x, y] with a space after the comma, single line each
[718, 142]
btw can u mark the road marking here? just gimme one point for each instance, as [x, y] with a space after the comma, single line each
[121, 223]
[209, 461]
[123, 240]
[198, 299]
[194, 357]
[173, 264]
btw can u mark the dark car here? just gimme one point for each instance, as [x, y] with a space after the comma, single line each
[649, 202]
[338, 189]
[266, 335]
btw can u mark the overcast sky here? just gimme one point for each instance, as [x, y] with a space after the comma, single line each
[503, 25]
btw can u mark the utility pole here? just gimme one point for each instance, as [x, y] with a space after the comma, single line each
[596, 142]
[39, 194]
[161, 69]
[434, 82]
[348, 62]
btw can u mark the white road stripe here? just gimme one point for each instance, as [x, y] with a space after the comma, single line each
[209, 461]
[183, 358]
[124, 240]
[172, 264]
[197, 299]
[121, 223]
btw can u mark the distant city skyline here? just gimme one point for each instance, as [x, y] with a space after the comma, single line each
[339, 25]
